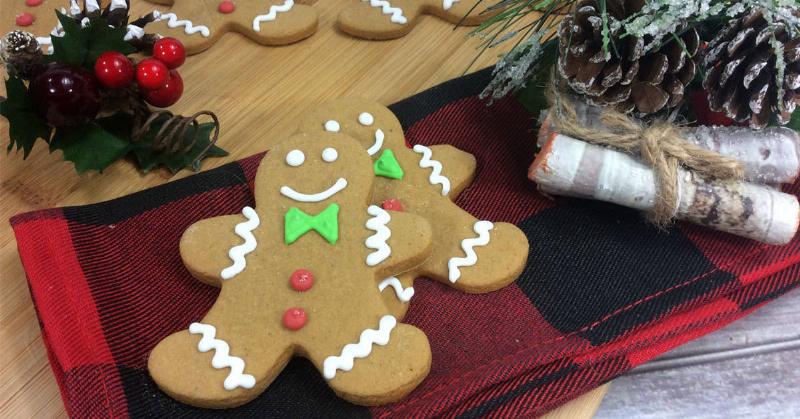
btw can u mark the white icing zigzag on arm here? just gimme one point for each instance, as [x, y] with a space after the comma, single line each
[188, 27]
[387, 9]
[222, 358]
[378, 240]
[404, 295]
[362, 349]
[436, 177]
[272, 14]
[237, 253]
[447, 4]
[468, 245]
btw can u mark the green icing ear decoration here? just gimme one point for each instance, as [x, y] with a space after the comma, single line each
[387, 166]
[326, 223]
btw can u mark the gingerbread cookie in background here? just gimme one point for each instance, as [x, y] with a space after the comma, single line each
[301, 280]
[389, 19]
[470, 255]
[36, 17]
[198, 24]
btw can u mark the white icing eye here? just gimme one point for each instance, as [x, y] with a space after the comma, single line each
[330, 155]
[366, 118]
[332, 126]
[295, 158]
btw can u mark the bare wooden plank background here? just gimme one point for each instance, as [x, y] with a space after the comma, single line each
[748, 369]
[258, 93]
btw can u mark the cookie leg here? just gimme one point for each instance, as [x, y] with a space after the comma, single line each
[278, 22]
[380, 19]
[397, 292]
[489, 259]
[193, 23]
[468, 254]
[388, 373]
[216, 366]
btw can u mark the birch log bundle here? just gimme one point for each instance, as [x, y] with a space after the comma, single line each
[753, 208]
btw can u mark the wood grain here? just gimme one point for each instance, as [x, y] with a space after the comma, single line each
[258, 93]
[747, 369]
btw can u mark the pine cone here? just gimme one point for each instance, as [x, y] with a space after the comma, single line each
[21, 54]
[627, 76]
[742, 71]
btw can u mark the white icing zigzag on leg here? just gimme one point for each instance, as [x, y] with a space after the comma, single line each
[404, 295]
[237, 253]
[468, 245]
[378, 240]
[387, 9]
[272, 14]
[362, 349]
[222, 358]
[436, 177]
[188, 27]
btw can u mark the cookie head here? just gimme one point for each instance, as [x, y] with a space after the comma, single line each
[371, 123]
[311, 171]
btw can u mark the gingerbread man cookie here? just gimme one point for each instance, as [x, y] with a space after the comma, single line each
[34, 16]
[468, 254]
[200, 23]
[301, 280]
[389, 19]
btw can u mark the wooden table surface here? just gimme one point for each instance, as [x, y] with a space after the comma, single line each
[258, 93]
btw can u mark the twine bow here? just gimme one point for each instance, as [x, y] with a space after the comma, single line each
[659, 144]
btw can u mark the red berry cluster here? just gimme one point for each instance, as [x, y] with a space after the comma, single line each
[157, 77]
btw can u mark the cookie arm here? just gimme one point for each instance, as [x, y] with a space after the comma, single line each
[205, 244]
[409, 245]
[458, 166]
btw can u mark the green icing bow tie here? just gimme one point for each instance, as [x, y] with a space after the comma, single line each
[325, 223]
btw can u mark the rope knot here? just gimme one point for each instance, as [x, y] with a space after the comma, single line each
[660, 145]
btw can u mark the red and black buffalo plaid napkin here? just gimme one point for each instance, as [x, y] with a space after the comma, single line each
[602, 292]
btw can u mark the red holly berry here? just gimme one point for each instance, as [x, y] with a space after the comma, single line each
[167, 95]
[113, 70]
[66, 95]
[392, 205]
[169, 51]
[151, 74]
[294, 318]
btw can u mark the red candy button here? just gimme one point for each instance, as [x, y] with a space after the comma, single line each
[226, 6]
[294, 318]
[25, 19]
[33, 3]
[392, 205]
[301, 280]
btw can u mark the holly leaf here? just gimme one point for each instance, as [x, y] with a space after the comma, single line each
[89, 146]
[73, 47]
[103, 38]
[794, 123]
[532, 96]
[149, 159]
[24, 123]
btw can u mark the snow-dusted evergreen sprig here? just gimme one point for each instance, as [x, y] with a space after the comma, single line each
[514, 69]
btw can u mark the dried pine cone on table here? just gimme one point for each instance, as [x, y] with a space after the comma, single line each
[742, 76]
[625, 75]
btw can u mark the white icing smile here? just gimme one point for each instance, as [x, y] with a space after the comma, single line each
[288, 192]
[376, 147]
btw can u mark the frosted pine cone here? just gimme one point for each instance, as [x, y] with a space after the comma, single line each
[626, 76]
[742, 71]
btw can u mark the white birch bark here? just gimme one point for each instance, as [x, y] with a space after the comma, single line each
[567, 166]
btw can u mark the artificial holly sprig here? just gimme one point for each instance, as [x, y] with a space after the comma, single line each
[87, 98]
